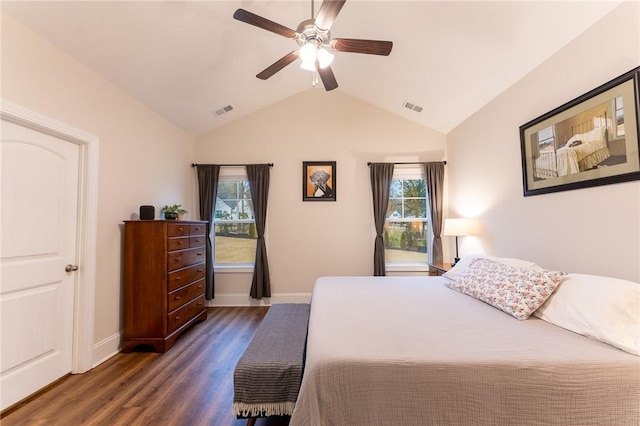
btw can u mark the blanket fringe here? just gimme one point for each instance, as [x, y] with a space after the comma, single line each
[266, 409]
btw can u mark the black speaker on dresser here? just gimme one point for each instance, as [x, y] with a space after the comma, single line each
[147, 212]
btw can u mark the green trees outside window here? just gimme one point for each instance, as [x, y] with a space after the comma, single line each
[405, 231]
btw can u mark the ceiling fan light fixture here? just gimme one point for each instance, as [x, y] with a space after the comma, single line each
[308, 65]
[325, 58]
[308, 53]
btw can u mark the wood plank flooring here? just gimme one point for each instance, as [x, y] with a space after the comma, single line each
[191, 384]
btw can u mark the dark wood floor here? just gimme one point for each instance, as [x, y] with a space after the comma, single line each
[191, 384]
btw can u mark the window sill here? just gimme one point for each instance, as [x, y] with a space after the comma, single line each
[228, 269]
[407, 267]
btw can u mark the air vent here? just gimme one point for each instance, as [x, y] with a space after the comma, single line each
[223, 110]
[413, 107]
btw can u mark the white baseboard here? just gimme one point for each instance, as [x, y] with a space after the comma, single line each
[106, 348]
[243, 299]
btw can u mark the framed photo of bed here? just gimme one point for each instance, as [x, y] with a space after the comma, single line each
[318, 181]
[589, 141]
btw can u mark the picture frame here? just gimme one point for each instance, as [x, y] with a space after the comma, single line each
[589, 141]
[319, 181]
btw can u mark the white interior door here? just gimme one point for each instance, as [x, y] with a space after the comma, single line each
[38, 219]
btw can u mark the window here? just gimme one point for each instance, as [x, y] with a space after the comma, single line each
[406, 231]
[545, 139]
[619, 128]
[233, 223]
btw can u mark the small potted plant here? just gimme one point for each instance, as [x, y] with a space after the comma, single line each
[173, 212]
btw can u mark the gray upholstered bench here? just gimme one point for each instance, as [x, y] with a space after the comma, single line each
[268, 375]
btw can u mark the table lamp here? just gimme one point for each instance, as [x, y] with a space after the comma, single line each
[458, 227]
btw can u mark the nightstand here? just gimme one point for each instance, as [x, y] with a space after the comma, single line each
[437, 269]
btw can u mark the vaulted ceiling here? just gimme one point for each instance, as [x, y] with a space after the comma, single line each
[185, 60]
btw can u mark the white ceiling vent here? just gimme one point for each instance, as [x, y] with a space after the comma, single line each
[413, 107]
[223, 110]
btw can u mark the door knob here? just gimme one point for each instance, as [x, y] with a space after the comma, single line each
[70, 268]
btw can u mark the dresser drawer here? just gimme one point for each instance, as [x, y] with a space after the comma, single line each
[182, 258]
[197, 229]
[185, 294]
[185, 276]
[178, 230]
[179, 317]
[196, 241]
[178, 243]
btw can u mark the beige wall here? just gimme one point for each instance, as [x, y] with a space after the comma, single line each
[142, 158]
[309, 239]
[594, 230]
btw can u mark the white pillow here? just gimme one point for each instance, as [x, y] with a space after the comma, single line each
[464, 263]
[603, 308]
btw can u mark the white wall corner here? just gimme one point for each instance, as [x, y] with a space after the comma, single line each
[106, 348]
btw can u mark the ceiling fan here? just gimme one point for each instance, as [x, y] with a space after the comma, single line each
[315, 42]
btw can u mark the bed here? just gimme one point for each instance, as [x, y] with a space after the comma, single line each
[411, 351]
[581, 152]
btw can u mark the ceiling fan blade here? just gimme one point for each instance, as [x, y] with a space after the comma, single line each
[264, 23]
[370, 47]
[328, 79]
[278, 65]
[327, 13]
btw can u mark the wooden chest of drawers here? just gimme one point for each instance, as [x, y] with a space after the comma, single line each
[164, 269]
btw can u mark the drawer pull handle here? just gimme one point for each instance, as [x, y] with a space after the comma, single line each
[177, 278]
[199, 303]
[199, 254]
[199, 270]
[180, 242]
[177, 259]
[180, 229]
[177, 318]
[177, 298]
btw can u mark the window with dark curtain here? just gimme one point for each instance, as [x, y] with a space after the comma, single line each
[208, 175]
[381, 176]
[258, 176]
[434, 177]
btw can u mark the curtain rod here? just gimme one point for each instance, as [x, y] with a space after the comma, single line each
[412, 162]
[227, 165]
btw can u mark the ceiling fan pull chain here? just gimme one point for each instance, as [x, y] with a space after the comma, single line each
[314, 82]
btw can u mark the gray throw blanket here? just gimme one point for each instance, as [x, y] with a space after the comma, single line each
[268, 375]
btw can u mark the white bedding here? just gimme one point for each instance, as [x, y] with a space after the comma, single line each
[581, 152]
[590, 151]
[409, 351]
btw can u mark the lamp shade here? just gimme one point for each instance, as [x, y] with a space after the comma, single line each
[324, 58]
[309, 65]
[308, 53]
[458, 226]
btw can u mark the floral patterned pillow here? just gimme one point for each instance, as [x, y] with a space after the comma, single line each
[516, 291]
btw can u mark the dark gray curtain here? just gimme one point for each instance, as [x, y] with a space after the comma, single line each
[381, 176]
[258, 176]
[208, 190]
[434, 177]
